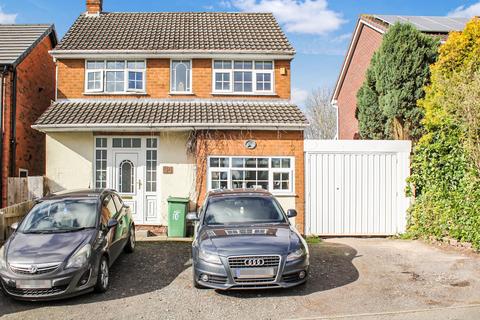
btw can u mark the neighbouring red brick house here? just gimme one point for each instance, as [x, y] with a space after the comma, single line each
[27, 86]
[366, 39]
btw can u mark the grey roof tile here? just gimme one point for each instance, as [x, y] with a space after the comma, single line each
[17, 39]
[177, 31]
[170, 113]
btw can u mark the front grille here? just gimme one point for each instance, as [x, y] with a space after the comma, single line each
[35, 292]
[240, 262]
[254, 280]
[26, 269]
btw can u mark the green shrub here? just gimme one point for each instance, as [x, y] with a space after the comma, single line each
[445, 166]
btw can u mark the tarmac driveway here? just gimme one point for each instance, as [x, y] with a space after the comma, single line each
[351, 278]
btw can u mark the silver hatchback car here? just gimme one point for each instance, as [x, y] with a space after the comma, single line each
[244, 240]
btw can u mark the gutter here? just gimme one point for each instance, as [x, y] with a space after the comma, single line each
[142, 127]
[171, 54]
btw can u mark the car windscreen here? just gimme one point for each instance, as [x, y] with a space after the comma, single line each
[60, 216]
[242, 210]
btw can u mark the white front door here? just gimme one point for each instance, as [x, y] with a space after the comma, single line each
[128, 177]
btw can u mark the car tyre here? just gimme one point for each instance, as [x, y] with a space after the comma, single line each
[103, 277]
[130, 246]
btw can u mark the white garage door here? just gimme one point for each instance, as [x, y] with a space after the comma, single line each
[356, 187]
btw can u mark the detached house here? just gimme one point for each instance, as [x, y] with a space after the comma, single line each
[366, 39]
[27, 87]
[174, 104]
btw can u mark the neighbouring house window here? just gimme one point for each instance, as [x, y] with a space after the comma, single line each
[100, 163]
[127, 142]
[235, 76]
[151, 165]
[180, 76]
[274, 174]
[126, 177]
[115, 76]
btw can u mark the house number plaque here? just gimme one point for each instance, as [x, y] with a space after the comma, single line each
[167, 170]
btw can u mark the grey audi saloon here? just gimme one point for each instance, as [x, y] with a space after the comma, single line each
[244, 240]
[65, 245]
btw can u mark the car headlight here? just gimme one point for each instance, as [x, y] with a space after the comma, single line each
[297, 254]
[3, 259]
[80, 258]
[209, 257]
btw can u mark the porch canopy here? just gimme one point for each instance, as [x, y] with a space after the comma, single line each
[148, 115]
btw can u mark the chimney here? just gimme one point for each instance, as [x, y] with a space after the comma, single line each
[94, 6]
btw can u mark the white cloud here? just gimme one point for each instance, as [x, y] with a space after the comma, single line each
[7, 17]
[297, 16]
[466, 12]
[299, 96]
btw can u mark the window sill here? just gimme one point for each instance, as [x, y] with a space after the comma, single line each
[270, 94]
[181, 93]
[283, 194]
[115, 93]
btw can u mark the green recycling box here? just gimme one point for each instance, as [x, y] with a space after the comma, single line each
[177, 212]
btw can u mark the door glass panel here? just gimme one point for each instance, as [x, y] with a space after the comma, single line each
[126, 177]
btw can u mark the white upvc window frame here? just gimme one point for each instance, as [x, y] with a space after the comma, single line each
[126, 70]
[94, 71]
[173, 90]
[291, 171]
[254, 72]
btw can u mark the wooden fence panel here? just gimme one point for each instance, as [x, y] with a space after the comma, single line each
[25, 189]
[12, 214]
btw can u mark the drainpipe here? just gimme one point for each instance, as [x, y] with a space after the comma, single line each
[2, 99]
[13, 123]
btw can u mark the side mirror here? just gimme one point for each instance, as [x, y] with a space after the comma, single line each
[291, 213]
[14, 226]
[112, 223]
[192, 216]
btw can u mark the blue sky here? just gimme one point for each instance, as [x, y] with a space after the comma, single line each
[320, 30]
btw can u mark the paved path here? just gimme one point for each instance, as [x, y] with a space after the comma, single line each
[350, 279]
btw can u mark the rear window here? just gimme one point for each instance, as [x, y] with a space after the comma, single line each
[242, 210]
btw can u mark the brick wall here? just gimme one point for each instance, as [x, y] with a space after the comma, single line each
[368, 42]
[35, 91]
[269, 143]
[71, 81]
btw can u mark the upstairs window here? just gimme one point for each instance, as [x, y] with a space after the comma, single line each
[243, 77]
[181, 73]
[115, 76]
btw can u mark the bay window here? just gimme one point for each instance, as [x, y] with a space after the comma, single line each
[274, 174]
[115, 76]
[238, 76]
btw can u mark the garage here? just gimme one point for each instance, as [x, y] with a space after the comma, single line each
[355, 187]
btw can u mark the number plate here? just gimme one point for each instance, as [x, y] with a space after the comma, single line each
[34, 284]
[255, 273]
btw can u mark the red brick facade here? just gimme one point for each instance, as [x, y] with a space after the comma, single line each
[71, 81]
[369, 41]
[35, 89]
[269, 143]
